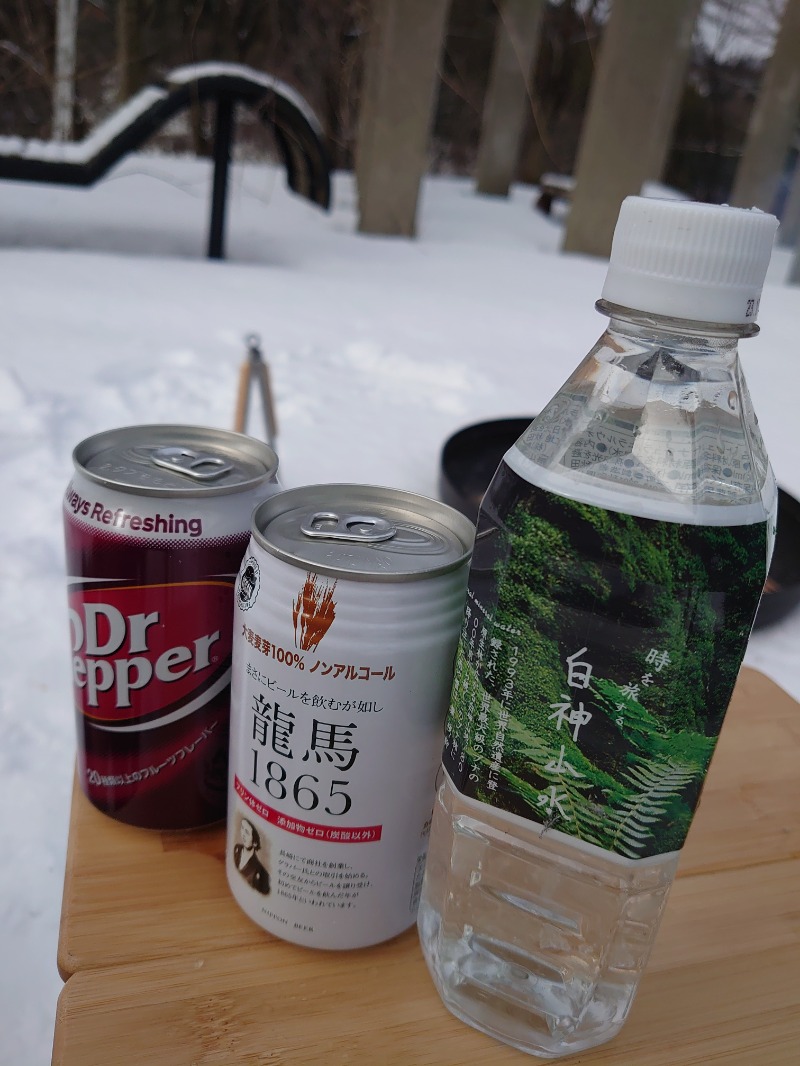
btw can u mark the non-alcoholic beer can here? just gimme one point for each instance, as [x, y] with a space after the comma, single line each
[349, 604]
[156, 521]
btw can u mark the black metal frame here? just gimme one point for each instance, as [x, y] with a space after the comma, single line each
[300, 143]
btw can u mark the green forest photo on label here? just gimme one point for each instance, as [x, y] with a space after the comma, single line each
[596, 662]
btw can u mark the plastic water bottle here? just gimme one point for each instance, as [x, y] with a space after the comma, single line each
[621, 552]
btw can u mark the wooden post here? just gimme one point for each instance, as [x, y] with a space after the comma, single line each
[773, 120]
[507, 101]
[400, 81]
[789, 232]
[64, 81]
[632, 109]
[223, 137]
[794, 270]
[790, 227]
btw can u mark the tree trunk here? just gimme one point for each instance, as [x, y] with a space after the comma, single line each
[129, 52]
[64, 81]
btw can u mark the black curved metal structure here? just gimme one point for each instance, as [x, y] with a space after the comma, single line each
[296, 130]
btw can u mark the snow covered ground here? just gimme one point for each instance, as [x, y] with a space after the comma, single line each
[379, 350]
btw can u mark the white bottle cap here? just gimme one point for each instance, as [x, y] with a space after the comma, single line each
[689, 260]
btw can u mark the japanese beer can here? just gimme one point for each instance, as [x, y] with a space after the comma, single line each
[157, 519]
[349, 604]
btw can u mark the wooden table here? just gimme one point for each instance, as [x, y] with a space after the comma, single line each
[161, 966]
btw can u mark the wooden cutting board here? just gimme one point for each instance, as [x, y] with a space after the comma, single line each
[163, 967]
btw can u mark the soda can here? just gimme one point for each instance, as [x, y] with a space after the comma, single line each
[349, 604]
[156, 521]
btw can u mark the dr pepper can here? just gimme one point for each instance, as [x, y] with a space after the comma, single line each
[156, 521]
[349, 603]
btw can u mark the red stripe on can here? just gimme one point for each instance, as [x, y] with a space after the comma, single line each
[362, 834]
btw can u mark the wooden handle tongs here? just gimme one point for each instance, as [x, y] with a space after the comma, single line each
[255, 368]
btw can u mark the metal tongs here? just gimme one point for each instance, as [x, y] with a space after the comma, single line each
[255, 368]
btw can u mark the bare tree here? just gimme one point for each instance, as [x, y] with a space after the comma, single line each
[730, 30]
[64, 80]
[130, 66]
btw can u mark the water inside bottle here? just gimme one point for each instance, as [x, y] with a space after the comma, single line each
[570, 933]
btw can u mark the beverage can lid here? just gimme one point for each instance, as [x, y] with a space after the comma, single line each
[363, 532]
[175, 460]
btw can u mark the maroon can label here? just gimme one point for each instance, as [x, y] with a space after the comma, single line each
[150, 595]
[126, 669]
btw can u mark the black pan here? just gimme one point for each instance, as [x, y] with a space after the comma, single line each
[471, 456]
[782, 590]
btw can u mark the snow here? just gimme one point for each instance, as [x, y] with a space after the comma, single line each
[379, 349]
[81, 152]
[102, 135]
[195, 71]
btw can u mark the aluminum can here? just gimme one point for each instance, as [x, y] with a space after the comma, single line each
[156, 521]
[349, 604]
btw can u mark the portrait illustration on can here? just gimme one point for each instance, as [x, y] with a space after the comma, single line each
[248, 857]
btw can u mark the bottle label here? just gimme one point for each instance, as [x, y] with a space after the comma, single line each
[596, 661]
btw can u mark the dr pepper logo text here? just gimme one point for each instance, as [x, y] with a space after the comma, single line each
[143, 652]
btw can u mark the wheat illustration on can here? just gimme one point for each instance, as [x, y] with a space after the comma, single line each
[314, 611]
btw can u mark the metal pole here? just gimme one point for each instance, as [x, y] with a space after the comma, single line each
[223, 137]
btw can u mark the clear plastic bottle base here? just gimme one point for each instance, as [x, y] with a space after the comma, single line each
[570, 932]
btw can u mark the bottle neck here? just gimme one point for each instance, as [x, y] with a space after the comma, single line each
[647, 327]
[658, 412]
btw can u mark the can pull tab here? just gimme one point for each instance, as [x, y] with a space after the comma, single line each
[201, 466]
[358, 528]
